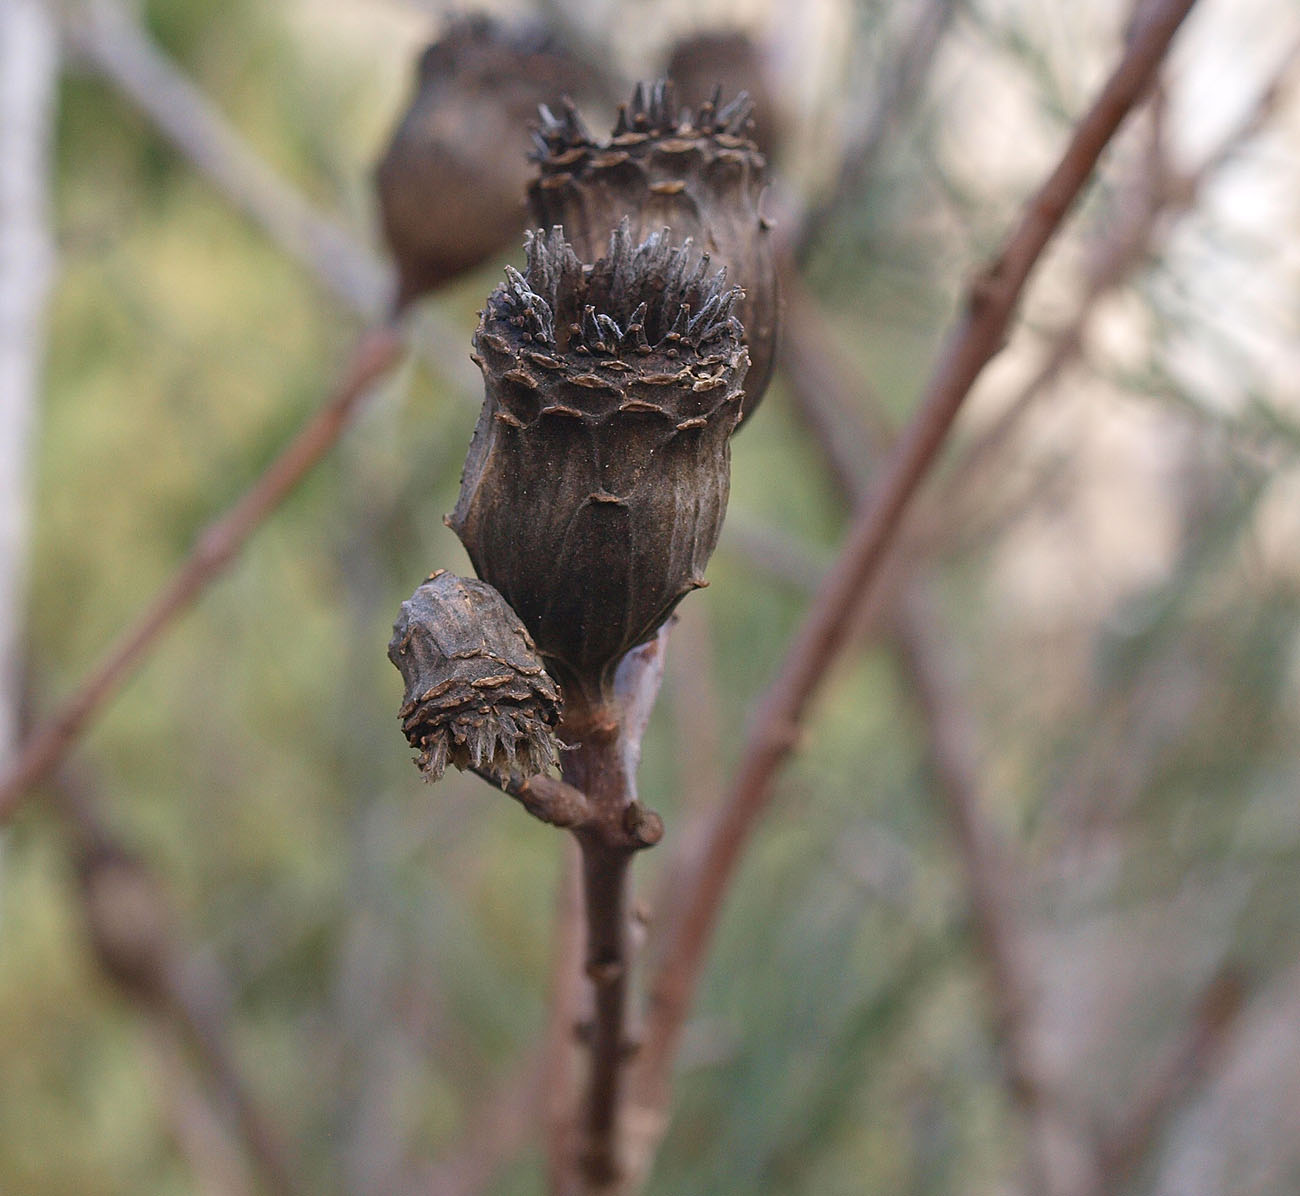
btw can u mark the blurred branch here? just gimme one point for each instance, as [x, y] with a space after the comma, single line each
[219, 1169]
[978, 336]
[1161, 193]
[28, 70]
[883, 105]
[1172, 1077]
[104, 34]
[494, 1132]
[823, 386]
[216, 546]
[133, 934]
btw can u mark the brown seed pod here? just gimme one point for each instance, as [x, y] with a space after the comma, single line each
[125, 918]
[703, 61]
[597, 478]
[477, 695]
[451, 182]
[695, 173]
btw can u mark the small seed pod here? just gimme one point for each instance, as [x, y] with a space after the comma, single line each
[477, 695]
[695, 173]
[597, 478]
[125, 918]
[451, 182]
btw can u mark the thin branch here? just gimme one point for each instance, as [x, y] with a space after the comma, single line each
[214, 549]
[1161, 194]
[992, 875]
[104, 34]
[28, 71]
[546, 798]
[978, 336]
[133, 932]
[1173, 1076]
[196, 1126]
[910, 67]
[602, 761]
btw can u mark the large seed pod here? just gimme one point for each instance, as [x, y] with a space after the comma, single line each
[696, 173]
[597, 478]
[477, 695]
[451, 182]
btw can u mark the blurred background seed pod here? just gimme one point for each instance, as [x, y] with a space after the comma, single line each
[597, 478]
[451, 183]
[477, 695]
[701, 62]
[697, 173]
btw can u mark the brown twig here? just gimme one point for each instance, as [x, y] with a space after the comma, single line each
[977, 337]
[1173, 1076]
[602, 762]
[133, 933]
[1160, 194]
[214, 549]
[559, 1097]
[547, 799]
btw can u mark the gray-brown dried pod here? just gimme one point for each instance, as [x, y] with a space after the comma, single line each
[451, 182]
[697, 173]
[477, 696]
[597, 478]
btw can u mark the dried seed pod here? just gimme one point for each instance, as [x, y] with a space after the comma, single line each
[697, 173]
[451, 182]
[126, 920]
[477, 695]
[597, 478]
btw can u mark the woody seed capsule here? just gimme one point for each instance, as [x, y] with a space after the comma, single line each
[477, 696]
[451, 182]
[597, 478]
[697, 173]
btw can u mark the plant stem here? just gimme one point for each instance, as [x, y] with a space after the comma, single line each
[605, 750]
[597, 767]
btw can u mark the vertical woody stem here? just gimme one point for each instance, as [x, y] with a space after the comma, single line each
[596, 768]
[602, 762]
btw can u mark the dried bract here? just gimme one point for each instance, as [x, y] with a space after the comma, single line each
[477, 695]
[451, 182]
[597, 478]
[697, 173]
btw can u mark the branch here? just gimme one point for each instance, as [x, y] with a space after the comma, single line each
[196, 1126]
[133, 932]
[978, 336]
[28, 71]
[1172, 1077]
[1161, 195]
[105, 35]
[216, 546]
[911, 66]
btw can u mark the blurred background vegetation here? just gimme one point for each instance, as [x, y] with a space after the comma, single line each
[1113, 587]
